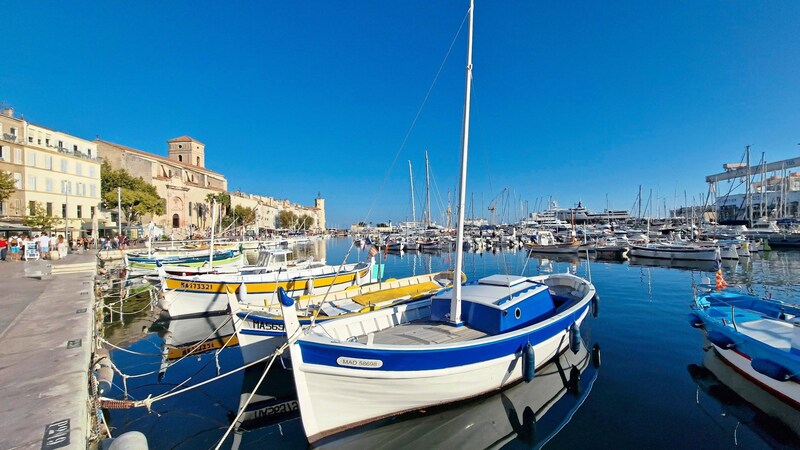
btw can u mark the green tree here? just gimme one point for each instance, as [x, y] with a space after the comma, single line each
[305, 222]
[137, 197]
[40, 220]
[286, 219]
[6, 185]
[223, 200]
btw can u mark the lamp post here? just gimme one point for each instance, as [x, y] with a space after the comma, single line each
[119, 211]
[65, 184]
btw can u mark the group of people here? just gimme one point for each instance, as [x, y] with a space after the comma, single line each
[16, 248]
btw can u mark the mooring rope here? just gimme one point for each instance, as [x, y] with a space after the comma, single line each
[147, 402]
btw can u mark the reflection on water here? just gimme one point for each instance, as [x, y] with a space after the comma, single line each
[747, 404]
[642, 397]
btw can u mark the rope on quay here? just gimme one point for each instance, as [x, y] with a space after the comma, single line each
[122, 313]
[148, 289]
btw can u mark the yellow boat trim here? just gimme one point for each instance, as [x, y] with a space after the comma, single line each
[413, 291]
[262, 288]
[193, 349]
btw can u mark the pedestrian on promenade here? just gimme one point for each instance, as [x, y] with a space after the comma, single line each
[44, 245]
[14, 244]
[62, 247]
[3, 248]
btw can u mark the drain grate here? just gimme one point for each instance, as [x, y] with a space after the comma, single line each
[74, 343]
[81, 310]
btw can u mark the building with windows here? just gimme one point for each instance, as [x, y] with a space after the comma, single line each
[184, 183]
[181, 179]
[58, 171]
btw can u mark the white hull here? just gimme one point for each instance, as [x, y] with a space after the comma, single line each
[328, 395]
[555, 249]
[192, 304]
[700, 254]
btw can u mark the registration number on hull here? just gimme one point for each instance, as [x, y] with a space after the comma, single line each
[194, 286]
[359, 362]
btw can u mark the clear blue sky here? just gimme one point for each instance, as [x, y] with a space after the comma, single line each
[575, 100]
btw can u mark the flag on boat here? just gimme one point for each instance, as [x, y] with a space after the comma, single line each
[721, 283]
[372, 251]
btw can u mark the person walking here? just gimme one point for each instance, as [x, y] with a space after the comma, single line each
[3, 248]
[44, 245]
[62, 247]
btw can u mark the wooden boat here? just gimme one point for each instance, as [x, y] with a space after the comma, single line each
[759, 338]
[468, 341]
[260, 329]
[226, 258]
[672, 251]
[527, 415]
[206, 294]
[543, 241]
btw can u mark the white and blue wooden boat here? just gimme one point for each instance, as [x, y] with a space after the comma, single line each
[260, 329]
[759, 338]
[474, 339]
[195, 259]
[363, 368]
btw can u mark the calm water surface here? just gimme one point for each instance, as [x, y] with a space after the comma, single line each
[651, 384]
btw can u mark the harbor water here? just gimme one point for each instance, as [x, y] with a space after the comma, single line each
[642, 378]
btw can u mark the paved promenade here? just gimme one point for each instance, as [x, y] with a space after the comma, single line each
[46, 330]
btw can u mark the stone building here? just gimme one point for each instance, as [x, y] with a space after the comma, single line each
[267, 210]
[181, 179]
[184, 182]
[56, 170]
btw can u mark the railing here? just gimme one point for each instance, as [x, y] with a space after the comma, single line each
[10, 137]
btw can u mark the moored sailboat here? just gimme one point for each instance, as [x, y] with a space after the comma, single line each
[468, 341]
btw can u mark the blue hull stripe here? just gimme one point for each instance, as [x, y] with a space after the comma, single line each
[433, 358]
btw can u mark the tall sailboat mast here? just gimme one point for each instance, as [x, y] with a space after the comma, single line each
[413, 207]
[427, 190]
[455, 303]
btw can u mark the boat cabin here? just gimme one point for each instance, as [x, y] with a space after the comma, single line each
[499, 303]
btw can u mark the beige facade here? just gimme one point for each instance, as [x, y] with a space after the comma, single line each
[181, 179]
[267, 210]
[55, 169]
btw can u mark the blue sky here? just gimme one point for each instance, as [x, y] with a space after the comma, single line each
[574, 100]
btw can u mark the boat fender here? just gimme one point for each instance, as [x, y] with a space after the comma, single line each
[104, 371]
[695, 321]
[528, 363]
[132, 440]
[243, 293]
[574, 338]
[721, 340]
[771, 369]
[596, 306]
[310, 286]
[596, 356]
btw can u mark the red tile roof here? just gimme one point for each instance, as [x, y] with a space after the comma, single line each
[185, 139]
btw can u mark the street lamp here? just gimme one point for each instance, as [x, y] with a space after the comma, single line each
[66, 186]
[119, 211]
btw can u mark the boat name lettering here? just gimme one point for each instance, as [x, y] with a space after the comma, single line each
[268, 326]
[358, 362]
[196, 286]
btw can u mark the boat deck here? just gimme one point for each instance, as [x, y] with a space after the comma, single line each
[426, 332]
[775, 333]
[429, 332]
